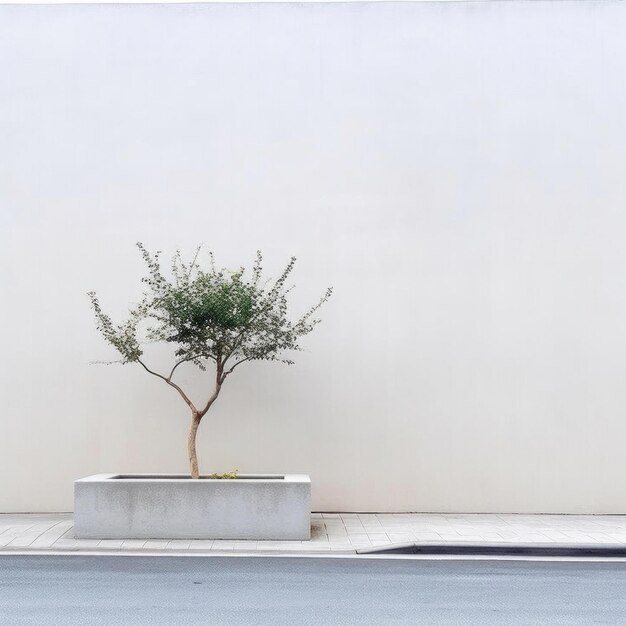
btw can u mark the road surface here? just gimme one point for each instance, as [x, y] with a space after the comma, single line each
[147, 590]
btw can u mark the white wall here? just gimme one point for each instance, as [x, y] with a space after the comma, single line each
[454, 170]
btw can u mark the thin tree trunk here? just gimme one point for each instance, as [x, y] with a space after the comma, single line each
[196, 416]
[191, 445]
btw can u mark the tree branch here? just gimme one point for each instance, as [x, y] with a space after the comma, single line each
[193, 262]
[219, 379]
[185, 360]
[233, 367]
[211, 400]
[171, 384]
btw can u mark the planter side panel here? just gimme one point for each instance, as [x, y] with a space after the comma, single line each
[185, 509]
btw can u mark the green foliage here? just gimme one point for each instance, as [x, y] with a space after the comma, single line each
[209, 314]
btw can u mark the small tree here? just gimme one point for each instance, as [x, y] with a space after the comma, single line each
[211, 317]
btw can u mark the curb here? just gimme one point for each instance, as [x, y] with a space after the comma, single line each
[12, 551]
[397, 550]
[481, 549]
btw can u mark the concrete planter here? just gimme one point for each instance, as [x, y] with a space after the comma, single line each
[171, 506]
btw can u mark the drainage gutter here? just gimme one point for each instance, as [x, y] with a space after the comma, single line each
[500, 549]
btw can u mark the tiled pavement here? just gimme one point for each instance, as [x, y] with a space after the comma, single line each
[335, 533]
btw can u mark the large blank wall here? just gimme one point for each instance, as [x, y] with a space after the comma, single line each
[456, 171]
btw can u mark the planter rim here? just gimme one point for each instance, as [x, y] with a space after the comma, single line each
[185, 478]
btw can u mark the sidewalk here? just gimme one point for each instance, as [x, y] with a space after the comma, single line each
[334, 533]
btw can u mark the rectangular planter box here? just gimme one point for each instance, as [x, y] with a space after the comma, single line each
[171, 506]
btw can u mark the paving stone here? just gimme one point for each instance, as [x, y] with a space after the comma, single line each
[133, 544]
[156, 544]
[111, 544]
[47, 538]
[201, 544]
[23, 541]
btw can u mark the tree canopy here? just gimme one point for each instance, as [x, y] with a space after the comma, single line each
[210, 314]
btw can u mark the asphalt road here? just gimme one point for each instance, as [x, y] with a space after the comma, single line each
[89, 590]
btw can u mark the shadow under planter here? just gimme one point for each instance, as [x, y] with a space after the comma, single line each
[172, 506]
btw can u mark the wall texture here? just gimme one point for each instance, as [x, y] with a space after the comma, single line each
[454, 170]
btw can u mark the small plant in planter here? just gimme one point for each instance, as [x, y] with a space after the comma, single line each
[214, 318]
